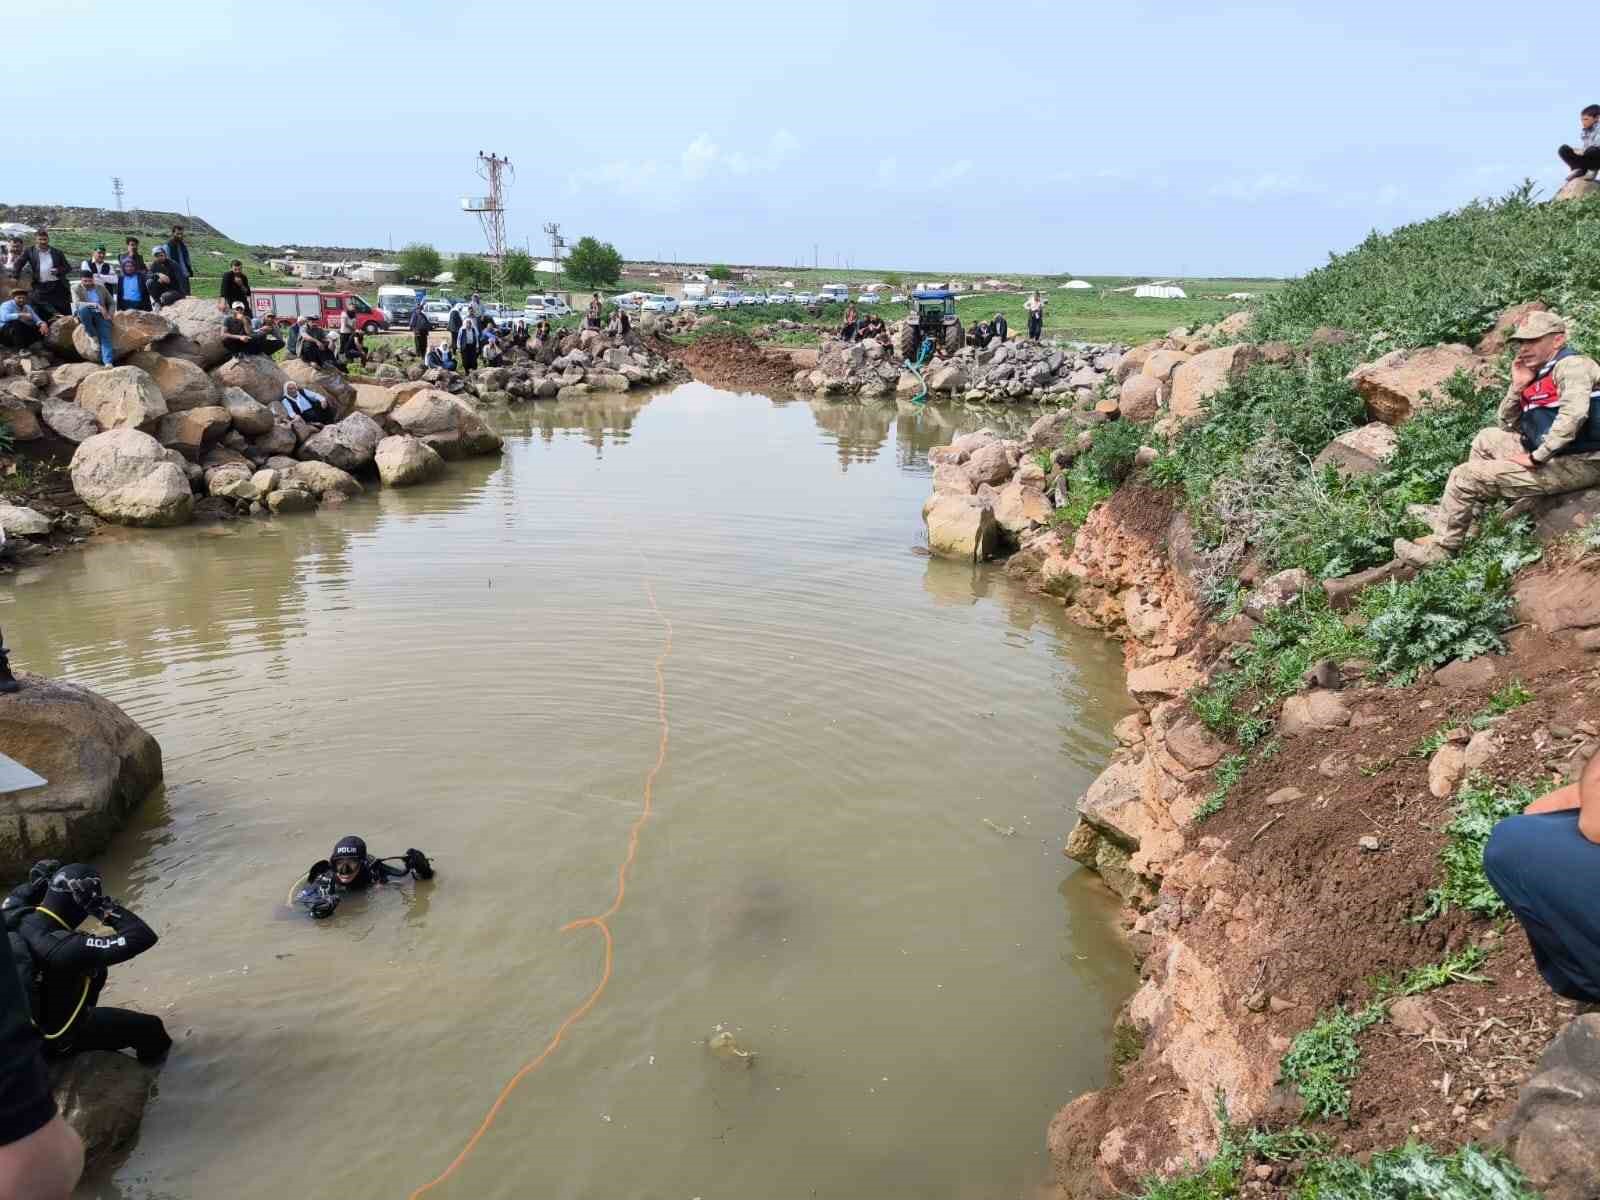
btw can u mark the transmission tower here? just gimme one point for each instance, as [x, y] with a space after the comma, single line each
[557, 245]
[116, 188]
[491, 212]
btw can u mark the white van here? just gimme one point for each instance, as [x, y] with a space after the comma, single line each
[834, 293]
[397, 303]
[545, 307]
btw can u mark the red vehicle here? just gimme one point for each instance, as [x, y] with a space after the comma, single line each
[290, 304]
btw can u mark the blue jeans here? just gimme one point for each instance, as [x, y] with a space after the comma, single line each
[97, 325]
[1545, 870]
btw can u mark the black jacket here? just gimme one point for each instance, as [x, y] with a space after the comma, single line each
[73, 965]
[30, 264]
[25, 1101]
[236, 289]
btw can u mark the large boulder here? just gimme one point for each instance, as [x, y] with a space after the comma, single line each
[1560, 600]
[18, 521]
[249, 416]
[196, 331]
[1161, 364]
[131, 332]
[447, 423]
[1197, 379]
[102, 1095]
[182, 382]
[1360, 451]
[99, 766]
[62, 338]
[1235, 324]
[404, 460]
[69, 421]
[123, 398]
[194, 431]
[348, 444]
[125, 476]
[64, 380]
[1049, 431]
[377, 402]
[960, 527]
[1553, 1134]
[1140, 398]
[1404, 381]
[322, 479]
[1316, 711]
[989, 463]
[19, 419]
[329, 384]
[255, 374]
[1019, 507]
[1577, 189]
[281, 439]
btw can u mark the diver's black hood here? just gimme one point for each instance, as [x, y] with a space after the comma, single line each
[356, 848]
[72, 889]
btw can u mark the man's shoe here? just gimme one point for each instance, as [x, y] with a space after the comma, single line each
[1424, 552]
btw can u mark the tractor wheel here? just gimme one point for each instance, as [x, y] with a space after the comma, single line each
[954, 337]
[910, 342]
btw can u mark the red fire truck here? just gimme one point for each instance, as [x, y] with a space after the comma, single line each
[290, 304]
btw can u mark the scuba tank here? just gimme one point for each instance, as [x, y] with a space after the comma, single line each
[19, 902]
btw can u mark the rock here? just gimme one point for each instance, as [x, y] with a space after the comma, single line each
[265, 481]
[291, 500]
[1557, 601]
[184, 384]
[1235, 324]
[1020, 507]
[375, 401]
[1466, 675]
[1553, 1133]
[131, 332]
[193, 431]
[17, 521]
[1049, 431]
[255, 374]
[960, 527]
[100, 766]
[69, 421]
[1192, 744]
[62, 338]
[348, 444]
[447, 423]
[1576, 189]
[323, 479]
[328, 383]
[279, 440]
[19, 419]
[1132, 361]
[1140, 398]
[1162, 680]
[1361, 451]
[1276, 591]
[404, 460]
[1199, 378]
[1161, 364]
[1130, 730]
[124, 476]
[948, 477]
[1493, 343]
[196, 331]
[989, 464]
[1445, 770]
[1482, 749]
[122, 398]
[1285, 795]
[1368, 844]
[1404, 381]
[1342, 592]
[948, 379]
[1313, 712]
[102, 1095]
[233, 483]
[249, 416]
[64, 380]
[1238, 631]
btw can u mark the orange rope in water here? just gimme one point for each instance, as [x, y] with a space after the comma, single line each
[602, 921]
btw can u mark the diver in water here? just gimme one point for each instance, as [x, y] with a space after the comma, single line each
[350, 868]
[63, 971]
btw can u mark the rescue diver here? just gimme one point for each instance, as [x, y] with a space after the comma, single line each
[63, 971]
[351, 868]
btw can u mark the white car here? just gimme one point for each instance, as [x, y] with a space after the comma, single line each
[868, 298]
[550, 308]
[804, 298]
[897, 298]
[438, 313]
[722, 300]
[661, 304]
[752, 299]
[780, 297]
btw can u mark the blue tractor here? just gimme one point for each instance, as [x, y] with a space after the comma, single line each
[932, 319]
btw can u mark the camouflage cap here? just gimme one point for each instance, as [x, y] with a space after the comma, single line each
[1537, 325]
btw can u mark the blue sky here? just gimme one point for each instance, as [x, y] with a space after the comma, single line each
[1139, 138]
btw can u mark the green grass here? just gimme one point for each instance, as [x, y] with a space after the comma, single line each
[1417, 1172]
[1127, 1044]
[209, 268]
[1324, 1060]
[1223, 780]
[1480, 806]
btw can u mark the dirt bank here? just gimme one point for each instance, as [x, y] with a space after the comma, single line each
[733, 361]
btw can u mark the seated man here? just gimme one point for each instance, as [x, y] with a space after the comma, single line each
[20, 326]
[164, 280]
[240, 339]
[1544, 863]
[1548, 441]
[351, 868]
[68, 968]
[302, 404]
[439, 356]
[1585, 161]
[314, 347]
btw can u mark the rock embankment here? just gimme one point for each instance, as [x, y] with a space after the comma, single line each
[1015, 372]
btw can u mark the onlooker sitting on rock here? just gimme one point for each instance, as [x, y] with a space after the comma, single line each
[517, 338]
[91, 304]
[872, 329]
[489, 337]
[847, 331]
[999, 328]
[240, 339]
[541, 331]
[133, 287]
[302, 404]
[235, 286]
[440, 357]
[979, 335]
[1544, 863]
[1548, 441]
[47, 267]
[130, 249]
[162, 278]
[420, 329]
[1587, 160]
[314, 347]
[351, 343]
[178, 251]
[20, 325]
[591, 318]
[102, 268]
[1035, 309]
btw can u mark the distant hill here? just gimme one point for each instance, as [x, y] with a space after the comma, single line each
[139, 220]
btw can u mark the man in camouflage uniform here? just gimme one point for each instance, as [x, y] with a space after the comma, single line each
[1548, 440]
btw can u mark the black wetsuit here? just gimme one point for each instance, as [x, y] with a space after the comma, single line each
[322, 890]
[26, 1105]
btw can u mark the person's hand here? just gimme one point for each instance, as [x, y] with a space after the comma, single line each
[1524, 460]
[418, 862]
[1522, 373]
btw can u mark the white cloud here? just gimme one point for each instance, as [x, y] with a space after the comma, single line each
[701, 160]
[951, 172]
[1265, 186]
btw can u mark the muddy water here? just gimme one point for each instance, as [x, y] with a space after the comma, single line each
[467, 668]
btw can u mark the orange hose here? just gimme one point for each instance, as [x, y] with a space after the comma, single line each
[600, 921]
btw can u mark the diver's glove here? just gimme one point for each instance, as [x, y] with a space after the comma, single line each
[41, 871]
[322, 907]
[101, 908]
[321, 867]
[419, 864]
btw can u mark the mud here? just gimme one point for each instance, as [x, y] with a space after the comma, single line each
[735, 362]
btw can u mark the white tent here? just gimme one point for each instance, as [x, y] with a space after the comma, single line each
[1077, 285]
[546, 266]
[15, 229]
[1159, 291]
[444, 277]
[1241, 295]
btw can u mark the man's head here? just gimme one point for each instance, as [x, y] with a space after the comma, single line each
[75, 891]
[99, 254]
[42, 239]
[129, 267]
[132, 245]
[86, 274]
[1589, 116]
[291, 388]
[236, 265]
[159, 254]
[349, 860]
[1537, 338]
[19, 293]
[177, 231]
[238, 307]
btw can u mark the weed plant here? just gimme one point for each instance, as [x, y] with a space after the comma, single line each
[1480, 805]
[1323, 1060]
[1416, 1172]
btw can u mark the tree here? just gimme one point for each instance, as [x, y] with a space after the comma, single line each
[593, 264]
[720, 272]
[420, 262]
[471, 272]
[518, 268]
[893, 279]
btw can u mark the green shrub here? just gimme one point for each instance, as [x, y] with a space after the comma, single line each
[1324, 1059]
[1480, 806]
[7, 439]
[1095, 473]
[1415, 1172]
[1223, 780]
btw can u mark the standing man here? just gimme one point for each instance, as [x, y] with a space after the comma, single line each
[1548, 440]
[1584, 161]
[130, 249]
[999, 327]
[178, 251]
[235, 286]
[91, 304]
[47, 266]
[1035, 307]
[454, 323]
[419, 329]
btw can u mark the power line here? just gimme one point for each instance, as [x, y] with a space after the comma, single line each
[116, 189]
[491, 212]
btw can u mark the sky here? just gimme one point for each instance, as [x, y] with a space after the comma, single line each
[1132, 138]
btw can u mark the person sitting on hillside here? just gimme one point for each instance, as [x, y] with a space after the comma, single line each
[177, 249]
[1548, 441]
[314, 347]
[133, 287]
[439, 358]
[291, 337]
[517, 339]
[51, 293]
[847, 331]
[240, 339]
[130, 249]
[302, 404]
[489, 338]
[1543, 864]
[20, 326]
[163, 278]
[1584, 161]
[235, 286]
[979, 335]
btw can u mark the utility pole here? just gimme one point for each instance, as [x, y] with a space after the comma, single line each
[491, 213]
[116, 190]
[557, 245]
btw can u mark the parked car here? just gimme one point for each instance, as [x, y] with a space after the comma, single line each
[551, 308]
[695, 303]
[661, 304]
[869, 298]
[725, 300]
[804, 298]
[897, 298]
[752, 298]
[437, 312]
[833, 293]
[780, 297]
